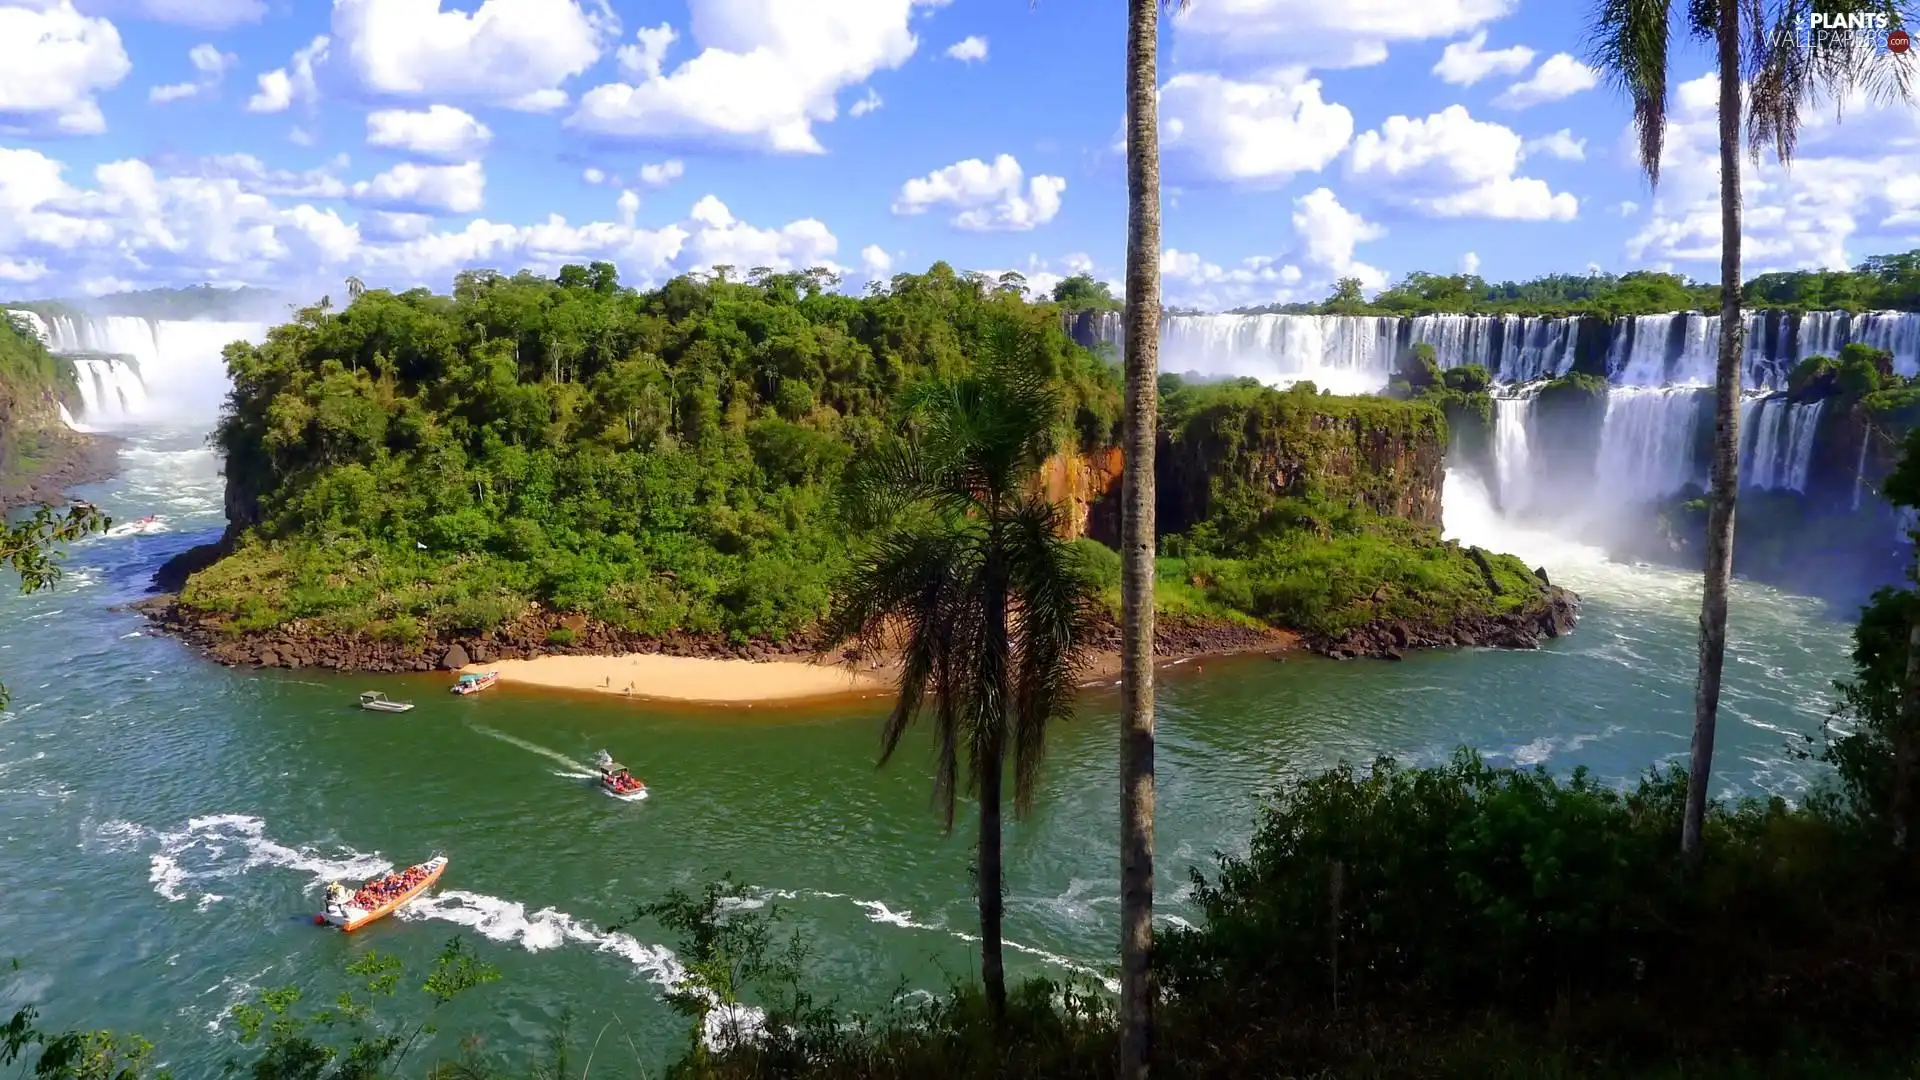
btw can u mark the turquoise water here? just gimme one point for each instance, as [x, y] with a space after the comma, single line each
[168, 823]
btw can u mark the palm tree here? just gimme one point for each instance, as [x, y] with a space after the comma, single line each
[1787, 73]
[354, 288]
[1141, 344]
[970, 583]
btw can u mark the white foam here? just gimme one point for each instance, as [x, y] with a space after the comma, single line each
[534, 748]
[224, 846]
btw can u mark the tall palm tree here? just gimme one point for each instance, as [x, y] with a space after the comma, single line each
[1786, 72]
[971, 583]
[1141, 348]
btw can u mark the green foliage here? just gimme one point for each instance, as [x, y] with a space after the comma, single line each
[660, 460]
[31, 548]
[1883, 282]
[1082, 292]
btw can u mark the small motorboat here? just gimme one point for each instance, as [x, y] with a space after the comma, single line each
[380, 897]
[375, 701]
[616, 781]
[473, 684]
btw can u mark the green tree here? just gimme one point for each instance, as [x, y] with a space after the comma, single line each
[970, 580]
[1787, 71]
[30, 548]
[1082, 292]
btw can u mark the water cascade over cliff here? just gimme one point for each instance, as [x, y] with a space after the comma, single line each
[131, 369]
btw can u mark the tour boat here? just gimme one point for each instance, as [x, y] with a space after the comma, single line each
[473, 684]
[616, 781]
[375, 701]
[380, 897]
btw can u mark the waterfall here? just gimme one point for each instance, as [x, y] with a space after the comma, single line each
[1760, 421]
[31, 322]
[1345, 354]
[1860, 470]
[1515, 348]
[140, 369]
[1647, 442]
[1800, 431]
[1512, 456]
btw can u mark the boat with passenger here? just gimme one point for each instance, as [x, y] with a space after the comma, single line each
[616, 781]
[375, 701]
[379, 897]
[473, 684]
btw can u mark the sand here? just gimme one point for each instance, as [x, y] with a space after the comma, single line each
[685, 678]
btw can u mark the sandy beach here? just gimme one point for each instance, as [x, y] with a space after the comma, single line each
[684, 678]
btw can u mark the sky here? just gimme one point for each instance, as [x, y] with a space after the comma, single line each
[292, 143]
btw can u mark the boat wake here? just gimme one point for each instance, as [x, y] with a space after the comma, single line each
[188, 863]
[573, 766]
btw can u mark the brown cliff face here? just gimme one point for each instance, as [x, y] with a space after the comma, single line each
[1087, 485]
[1385, 455]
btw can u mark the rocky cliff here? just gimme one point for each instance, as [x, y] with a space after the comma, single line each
[40, 456]
[1238, 456]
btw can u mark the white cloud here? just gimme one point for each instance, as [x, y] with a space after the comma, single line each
[1852, 182]
[866, 104]
[514, 53]
[1330, 232]
[1470, 263]
[1325, 235]
[768, 70]
[132, 226]
[644, 58]
[1627, 208]
[875, 263]
[595, 177]
[1559, 76]
[211, 63]
[1251, 132]
[440, 131]
[53, 61]
[629, 206]
[281, 87]
[204, 14]
[989, 198]
[1353, 33]
[1464, 63]
[450, 189]
[1451, 165]
[968, 49]
[1560, 144]
[663, 173]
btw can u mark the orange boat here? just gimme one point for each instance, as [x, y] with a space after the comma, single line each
[380, 897]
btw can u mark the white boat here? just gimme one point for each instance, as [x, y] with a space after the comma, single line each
[474, 683]
[617, 782]
[375, 701]
[380, 897]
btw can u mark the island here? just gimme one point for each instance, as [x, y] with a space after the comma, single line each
[564, 466]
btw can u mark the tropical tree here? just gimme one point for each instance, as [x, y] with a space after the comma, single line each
[970, 583]
[1140, 343]
[29, 548]
[1785, 70]
[354, 288]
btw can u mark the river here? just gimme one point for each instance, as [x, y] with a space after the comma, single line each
[168, 823]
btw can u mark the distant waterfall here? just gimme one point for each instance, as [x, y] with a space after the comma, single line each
[1860, 470]
[139, 369]
[1777, 445]
[1512, 454]
[1339, 353]
[1647, 442]
[1515, 348]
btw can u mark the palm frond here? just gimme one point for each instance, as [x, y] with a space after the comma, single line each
[1627, 41]
[1053, 628]
[1789, 70]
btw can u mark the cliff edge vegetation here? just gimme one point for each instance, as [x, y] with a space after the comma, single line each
[568, 465]
[39, 455]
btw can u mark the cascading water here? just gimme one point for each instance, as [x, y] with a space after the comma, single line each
[1860, 470]
[1777, 443]
[132, 368]
[1647, 443]
[1512, 453]
[1339, 353]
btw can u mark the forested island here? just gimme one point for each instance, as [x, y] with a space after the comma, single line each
[550, 465]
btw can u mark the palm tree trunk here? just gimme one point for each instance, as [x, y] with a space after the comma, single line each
[1142, 345]
[993, 969]
[1726, 443]
[1901, 810]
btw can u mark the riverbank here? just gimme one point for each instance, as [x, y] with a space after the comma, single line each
[46, 463]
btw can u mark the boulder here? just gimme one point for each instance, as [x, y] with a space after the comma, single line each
[455, 659]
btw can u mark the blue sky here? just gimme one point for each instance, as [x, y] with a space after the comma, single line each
[290, 143]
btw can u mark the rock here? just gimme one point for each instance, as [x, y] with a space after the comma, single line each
[1541, 573]
[455, 658]
[269, 658]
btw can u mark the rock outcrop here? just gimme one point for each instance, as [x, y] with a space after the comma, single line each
[1553, 616]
